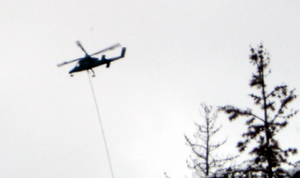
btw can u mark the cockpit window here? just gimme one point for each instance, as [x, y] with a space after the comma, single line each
[78, 64]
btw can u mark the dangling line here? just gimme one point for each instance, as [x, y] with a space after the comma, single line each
[111, 170]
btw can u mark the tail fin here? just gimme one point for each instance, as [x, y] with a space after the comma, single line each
[108, 64]
[123, 52]
[115, 58]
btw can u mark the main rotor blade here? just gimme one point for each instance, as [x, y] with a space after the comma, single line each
[106, 49]
[68, 62]
[79, 44]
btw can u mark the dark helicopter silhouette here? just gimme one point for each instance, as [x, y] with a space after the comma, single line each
[88, 62]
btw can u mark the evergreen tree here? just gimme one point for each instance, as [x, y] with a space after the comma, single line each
[268, 155]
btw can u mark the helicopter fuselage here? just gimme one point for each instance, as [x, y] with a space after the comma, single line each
[88, 62]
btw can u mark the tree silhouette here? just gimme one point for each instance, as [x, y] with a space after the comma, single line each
[268, 155]
[203, 161]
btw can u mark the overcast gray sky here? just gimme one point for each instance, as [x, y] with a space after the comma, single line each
[179, 54]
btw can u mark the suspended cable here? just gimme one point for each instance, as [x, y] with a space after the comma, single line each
[111, 170]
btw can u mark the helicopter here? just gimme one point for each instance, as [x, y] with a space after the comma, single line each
[88, 62]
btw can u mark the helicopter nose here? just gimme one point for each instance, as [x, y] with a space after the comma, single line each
[72, 71]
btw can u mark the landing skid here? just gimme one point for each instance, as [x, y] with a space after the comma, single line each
[88, 73]
[93, 72]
